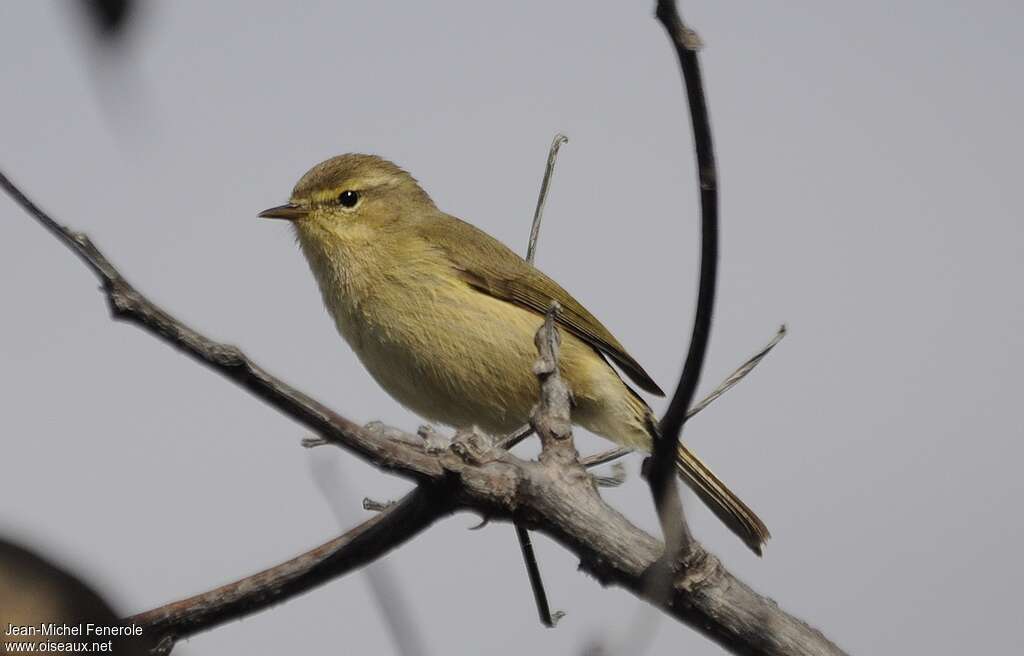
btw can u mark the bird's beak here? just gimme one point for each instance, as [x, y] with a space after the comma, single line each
[287, 211]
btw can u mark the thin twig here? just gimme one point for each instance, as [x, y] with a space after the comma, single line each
[547, 618]
[515, 437]
[616, 478]
[525, 544]
[373, 505]
[736, 376]
[549, 170]
[602, 457]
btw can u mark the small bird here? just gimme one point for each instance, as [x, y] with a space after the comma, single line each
[443, 316]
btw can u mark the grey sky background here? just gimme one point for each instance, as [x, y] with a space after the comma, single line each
[870, 163]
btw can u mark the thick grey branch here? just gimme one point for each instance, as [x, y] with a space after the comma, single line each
[474, 477]
[551, 417]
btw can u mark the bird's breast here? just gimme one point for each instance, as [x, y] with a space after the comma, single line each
[439, 347]
[455, 355]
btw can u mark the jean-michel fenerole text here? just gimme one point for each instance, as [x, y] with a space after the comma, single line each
[61, 630]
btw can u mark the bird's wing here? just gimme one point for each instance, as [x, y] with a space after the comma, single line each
[496, 270]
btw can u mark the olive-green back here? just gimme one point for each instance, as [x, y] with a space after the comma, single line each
[492, 268]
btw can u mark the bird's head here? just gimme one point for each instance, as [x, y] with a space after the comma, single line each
[351, 194]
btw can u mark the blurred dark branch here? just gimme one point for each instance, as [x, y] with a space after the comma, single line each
[359, 546]
[109, 18]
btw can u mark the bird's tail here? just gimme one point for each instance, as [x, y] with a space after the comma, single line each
[740, 519]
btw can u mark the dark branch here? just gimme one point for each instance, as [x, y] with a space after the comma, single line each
[359, 546]
[540, 597]
[686, 43]
[661, 473]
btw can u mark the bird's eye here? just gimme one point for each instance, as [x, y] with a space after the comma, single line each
[348, 199]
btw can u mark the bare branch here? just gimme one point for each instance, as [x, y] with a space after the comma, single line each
[555, 495]
[514, 438]
[502, 486]
[738, 375]
[359, 546]
[547, 618]
[399, 456]
[661, 474]
[705, 596]
[605, 456]
[551, 419]
[377, 506]
[540, 596]
[616, 478]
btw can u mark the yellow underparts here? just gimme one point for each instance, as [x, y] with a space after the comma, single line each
[448, 352]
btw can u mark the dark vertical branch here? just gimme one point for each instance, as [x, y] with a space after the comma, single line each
[686, 44]
[109, 18]
[540, 597]
[661, 473]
